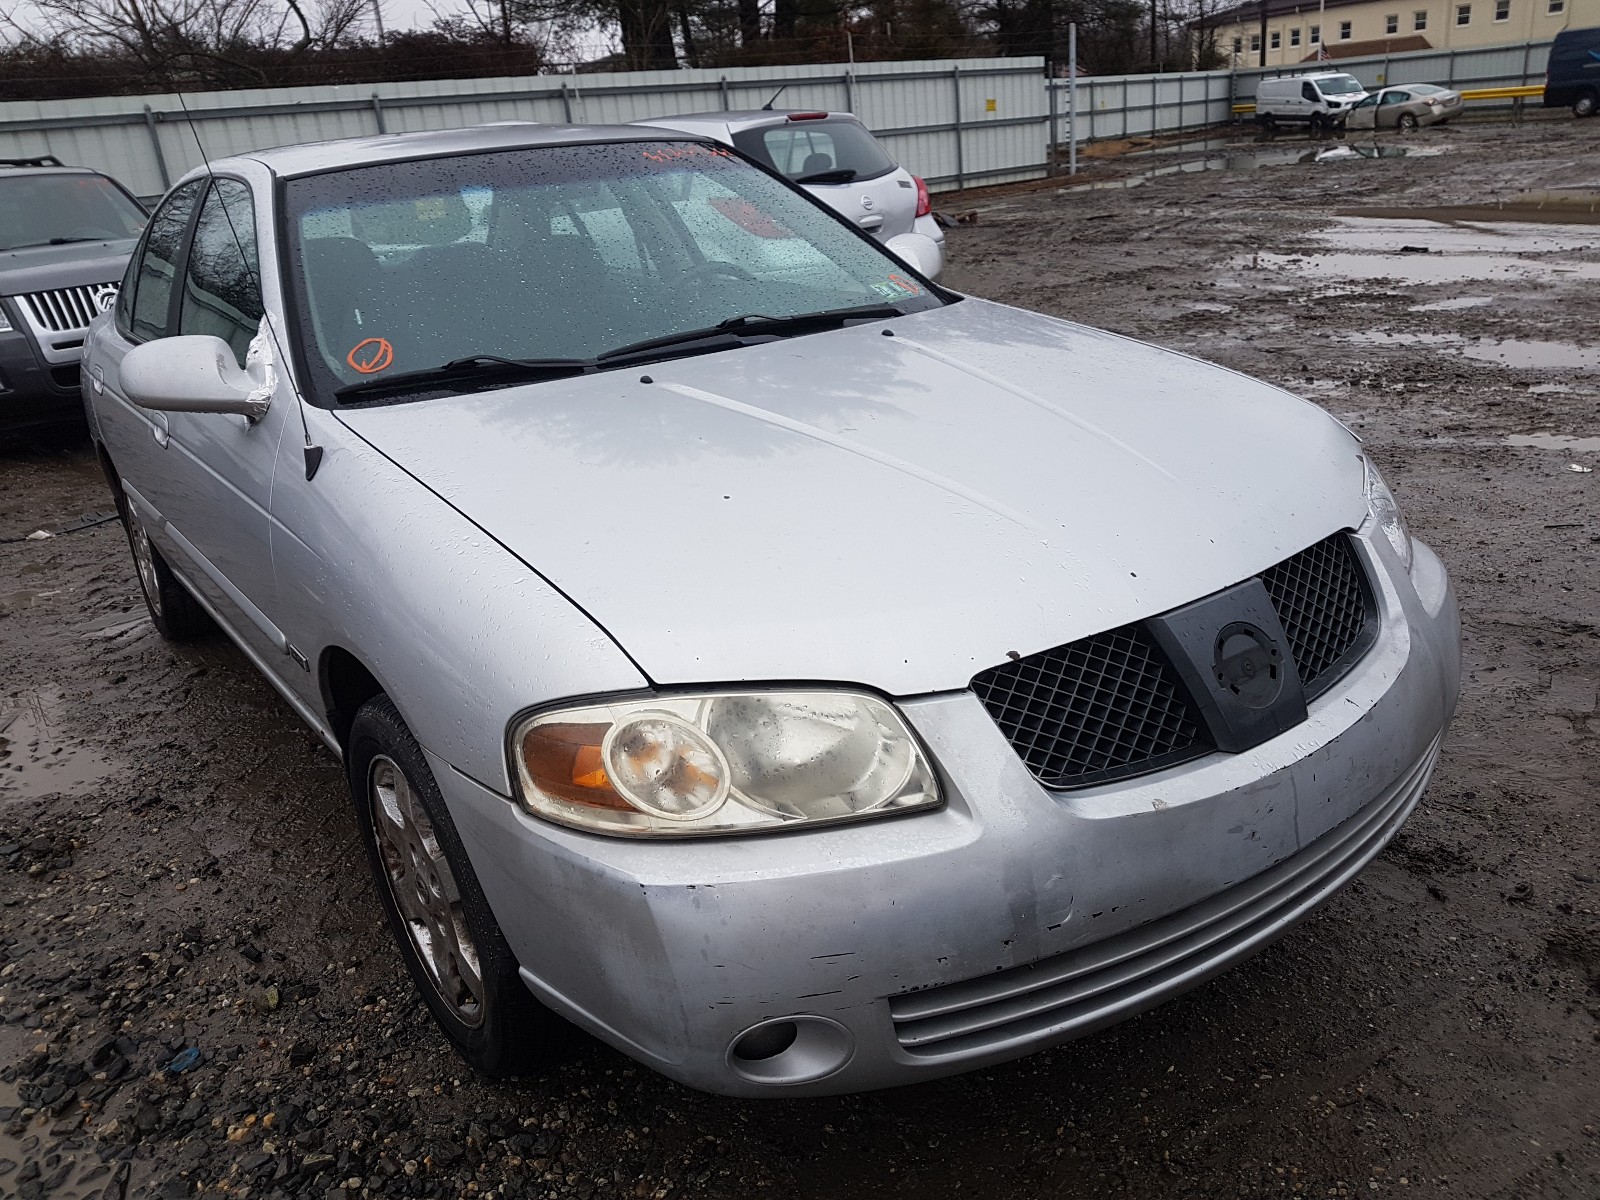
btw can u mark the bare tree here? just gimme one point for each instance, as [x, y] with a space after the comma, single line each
[206, 42]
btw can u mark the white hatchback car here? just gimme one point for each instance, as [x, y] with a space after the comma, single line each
[835, 158]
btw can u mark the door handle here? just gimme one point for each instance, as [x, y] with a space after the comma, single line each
[159, 429]
[875, 221]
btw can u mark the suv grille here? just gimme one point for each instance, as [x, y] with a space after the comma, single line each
[67, 310]
[1111, 706]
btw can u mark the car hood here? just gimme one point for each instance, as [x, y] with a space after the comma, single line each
[898, 511]
[44, 268]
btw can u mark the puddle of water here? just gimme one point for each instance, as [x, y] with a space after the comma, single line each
[1556, 441]
[1454, 305]
[37, 758]
[1420, 270]
[1504, 352]
[1575, 205]
[1387, 235]
[1244, 158]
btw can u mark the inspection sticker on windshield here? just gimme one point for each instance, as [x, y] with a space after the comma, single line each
[371, 356]
[896, 287]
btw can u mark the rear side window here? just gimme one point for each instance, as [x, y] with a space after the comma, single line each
[221, 287]
[156, 263]
[838, 151]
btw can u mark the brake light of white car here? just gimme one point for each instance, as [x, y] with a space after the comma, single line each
[924, 202]
[808, 116]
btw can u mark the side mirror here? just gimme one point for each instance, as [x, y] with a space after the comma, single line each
[194, 373]
[916, 250]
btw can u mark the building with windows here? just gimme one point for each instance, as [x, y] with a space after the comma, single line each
[1300, 31]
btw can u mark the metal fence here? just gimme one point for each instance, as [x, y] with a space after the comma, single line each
[1140, 105]
[980, 120]
[956, 123]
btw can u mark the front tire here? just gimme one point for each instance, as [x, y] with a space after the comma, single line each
[451, 944]
[176, 614]
[1585, 105]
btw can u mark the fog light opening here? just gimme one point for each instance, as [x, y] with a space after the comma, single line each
[765, 1041]
[788, 1050]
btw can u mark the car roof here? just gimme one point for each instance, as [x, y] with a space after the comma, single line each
[740, 119]
[10, 172]
[313, 158]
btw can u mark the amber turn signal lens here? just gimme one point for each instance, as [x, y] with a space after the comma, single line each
[564, 760]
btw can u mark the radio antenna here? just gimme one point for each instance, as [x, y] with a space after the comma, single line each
[767, 107]
[313, 453]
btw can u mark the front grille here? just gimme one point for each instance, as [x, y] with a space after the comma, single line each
[1093, 710]
[1325, 605]
[1098, 984]
[67, 310]
[1111, 706]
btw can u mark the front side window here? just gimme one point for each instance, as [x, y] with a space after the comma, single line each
[1308, 91]
[1502, 10]
[1419, 19]
[560, 252]
[222, 285]
[54, 208]
[1344, 31]
[817, 151]
[1391, 23]
[1368, 101]
[150, 299]
[1463, 14]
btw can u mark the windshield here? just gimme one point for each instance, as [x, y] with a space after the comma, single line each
[800, 149]
[560, 252]
[1340, 85]
[54, 209]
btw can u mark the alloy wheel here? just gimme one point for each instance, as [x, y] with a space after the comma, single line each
[144, 561]
[424, 890]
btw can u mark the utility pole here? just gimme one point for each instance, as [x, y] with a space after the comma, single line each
[1155, 62]
[1263, 59]
[377, 14]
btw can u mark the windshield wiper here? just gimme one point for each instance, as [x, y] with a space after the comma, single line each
[734, 329]
[61, 241]
[832, 175]
[472, 367]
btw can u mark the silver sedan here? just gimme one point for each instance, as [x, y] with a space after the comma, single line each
[800, 676]
[1408, 107]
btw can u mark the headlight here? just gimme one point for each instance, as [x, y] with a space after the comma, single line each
[5, 322]
[1381, 505]
[731, 762]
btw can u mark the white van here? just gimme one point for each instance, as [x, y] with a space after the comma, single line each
[1319, 99]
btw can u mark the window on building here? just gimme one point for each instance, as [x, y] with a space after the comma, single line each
[1344, 31]
[1314, 34]
[1275, 39]
[1463, 14]
[1255, 43]
[1238, 45]
[1419, 19]
[1391, 23]
[1556, 7]
[1502, 10]
[1294, 37]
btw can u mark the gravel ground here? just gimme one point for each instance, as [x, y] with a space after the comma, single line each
[179, 869]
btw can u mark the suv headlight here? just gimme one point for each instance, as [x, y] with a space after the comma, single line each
[1383, 509]
[725, 762]
[5, 321]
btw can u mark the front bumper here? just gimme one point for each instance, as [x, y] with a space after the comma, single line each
[1013, 919]
[33, 392]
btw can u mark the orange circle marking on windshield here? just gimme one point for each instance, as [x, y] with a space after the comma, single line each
[904, 284]
[371, 356]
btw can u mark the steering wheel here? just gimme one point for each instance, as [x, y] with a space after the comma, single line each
[717, 267]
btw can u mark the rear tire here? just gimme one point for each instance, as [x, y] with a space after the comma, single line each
[451, 944]
[176, 614]
[1408, 122]
[1585, 105]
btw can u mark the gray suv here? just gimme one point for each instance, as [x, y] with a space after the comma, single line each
[65, 237]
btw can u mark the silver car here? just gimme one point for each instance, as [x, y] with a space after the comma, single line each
[801, 677]
[835, 158]
[1406, 107]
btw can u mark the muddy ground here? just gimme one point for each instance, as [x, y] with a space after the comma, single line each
[178, 867]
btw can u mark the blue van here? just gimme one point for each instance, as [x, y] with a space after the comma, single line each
[1573, 76]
